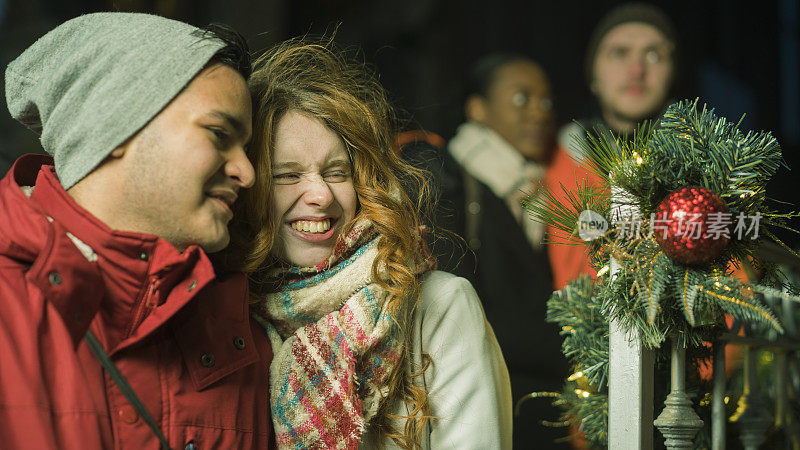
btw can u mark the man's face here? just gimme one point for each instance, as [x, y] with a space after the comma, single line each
[184, 169]
[519, 108]
[632, 73]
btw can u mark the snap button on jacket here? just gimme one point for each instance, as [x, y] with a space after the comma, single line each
[63, 272]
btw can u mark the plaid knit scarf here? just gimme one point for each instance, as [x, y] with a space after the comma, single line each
[334, 345]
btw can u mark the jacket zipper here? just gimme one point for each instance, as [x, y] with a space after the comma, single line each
[147, 303]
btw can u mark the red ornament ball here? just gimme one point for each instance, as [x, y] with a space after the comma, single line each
[692, 225]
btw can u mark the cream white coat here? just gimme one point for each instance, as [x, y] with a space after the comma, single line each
[467, 381]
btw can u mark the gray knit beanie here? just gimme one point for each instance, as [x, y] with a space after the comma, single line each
[94, 81]
[627, 13]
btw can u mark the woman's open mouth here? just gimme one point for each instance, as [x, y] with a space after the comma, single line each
[312, 226]
[313, 230]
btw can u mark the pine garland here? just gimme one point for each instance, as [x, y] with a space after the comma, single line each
[650, 292]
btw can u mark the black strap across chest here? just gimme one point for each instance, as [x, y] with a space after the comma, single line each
[126, 388]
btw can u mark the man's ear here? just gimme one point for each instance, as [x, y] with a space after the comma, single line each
[475, 108]
[125, 148]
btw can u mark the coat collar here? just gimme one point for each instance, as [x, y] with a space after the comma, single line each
[126, 286]
[132, 284]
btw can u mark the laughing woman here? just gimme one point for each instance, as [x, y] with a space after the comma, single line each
[372, 347]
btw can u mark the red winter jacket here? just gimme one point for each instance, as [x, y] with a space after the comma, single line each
[182, 338]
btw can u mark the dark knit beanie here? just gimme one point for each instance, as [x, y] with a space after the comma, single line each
[627, 13]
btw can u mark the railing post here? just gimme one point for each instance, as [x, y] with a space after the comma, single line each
[752, 414]
[678, 422]
[718, 418]
[781, 393]
[630, 391]
[789, 420]
[630, 370]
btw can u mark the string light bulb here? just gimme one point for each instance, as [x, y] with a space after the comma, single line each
[575, 376]
[582, 393]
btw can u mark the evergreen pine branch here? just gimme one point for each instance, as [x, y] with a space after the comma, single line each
[621, 303]
[740, 163]
[775, 219]
[562, 214]
[782, 294]
[603, 151]
[689, 290]
[727, 293]
[657, 283]
[778, 241]
[588, 414]
[584, 328]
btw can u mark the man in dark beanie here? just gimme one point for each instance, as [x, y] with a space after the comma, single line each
[116, 331]
[630, 67]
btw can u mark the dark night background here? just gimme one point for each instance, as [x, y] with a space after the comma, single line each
[738, 56]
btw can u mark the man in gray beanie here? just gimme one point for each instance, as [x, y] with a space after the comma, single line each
[630, 66]
[115, 329]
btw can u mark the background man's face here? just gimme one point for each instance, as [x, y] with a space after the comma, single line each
[632, 72]
[519, 108]
[184, 169]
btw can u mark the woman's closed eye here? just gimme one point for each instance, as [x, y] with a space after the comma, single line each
[286, 178]
[336, 175]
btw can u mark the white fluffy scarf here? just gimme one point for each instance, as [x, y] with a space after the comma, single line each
[489, 158]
